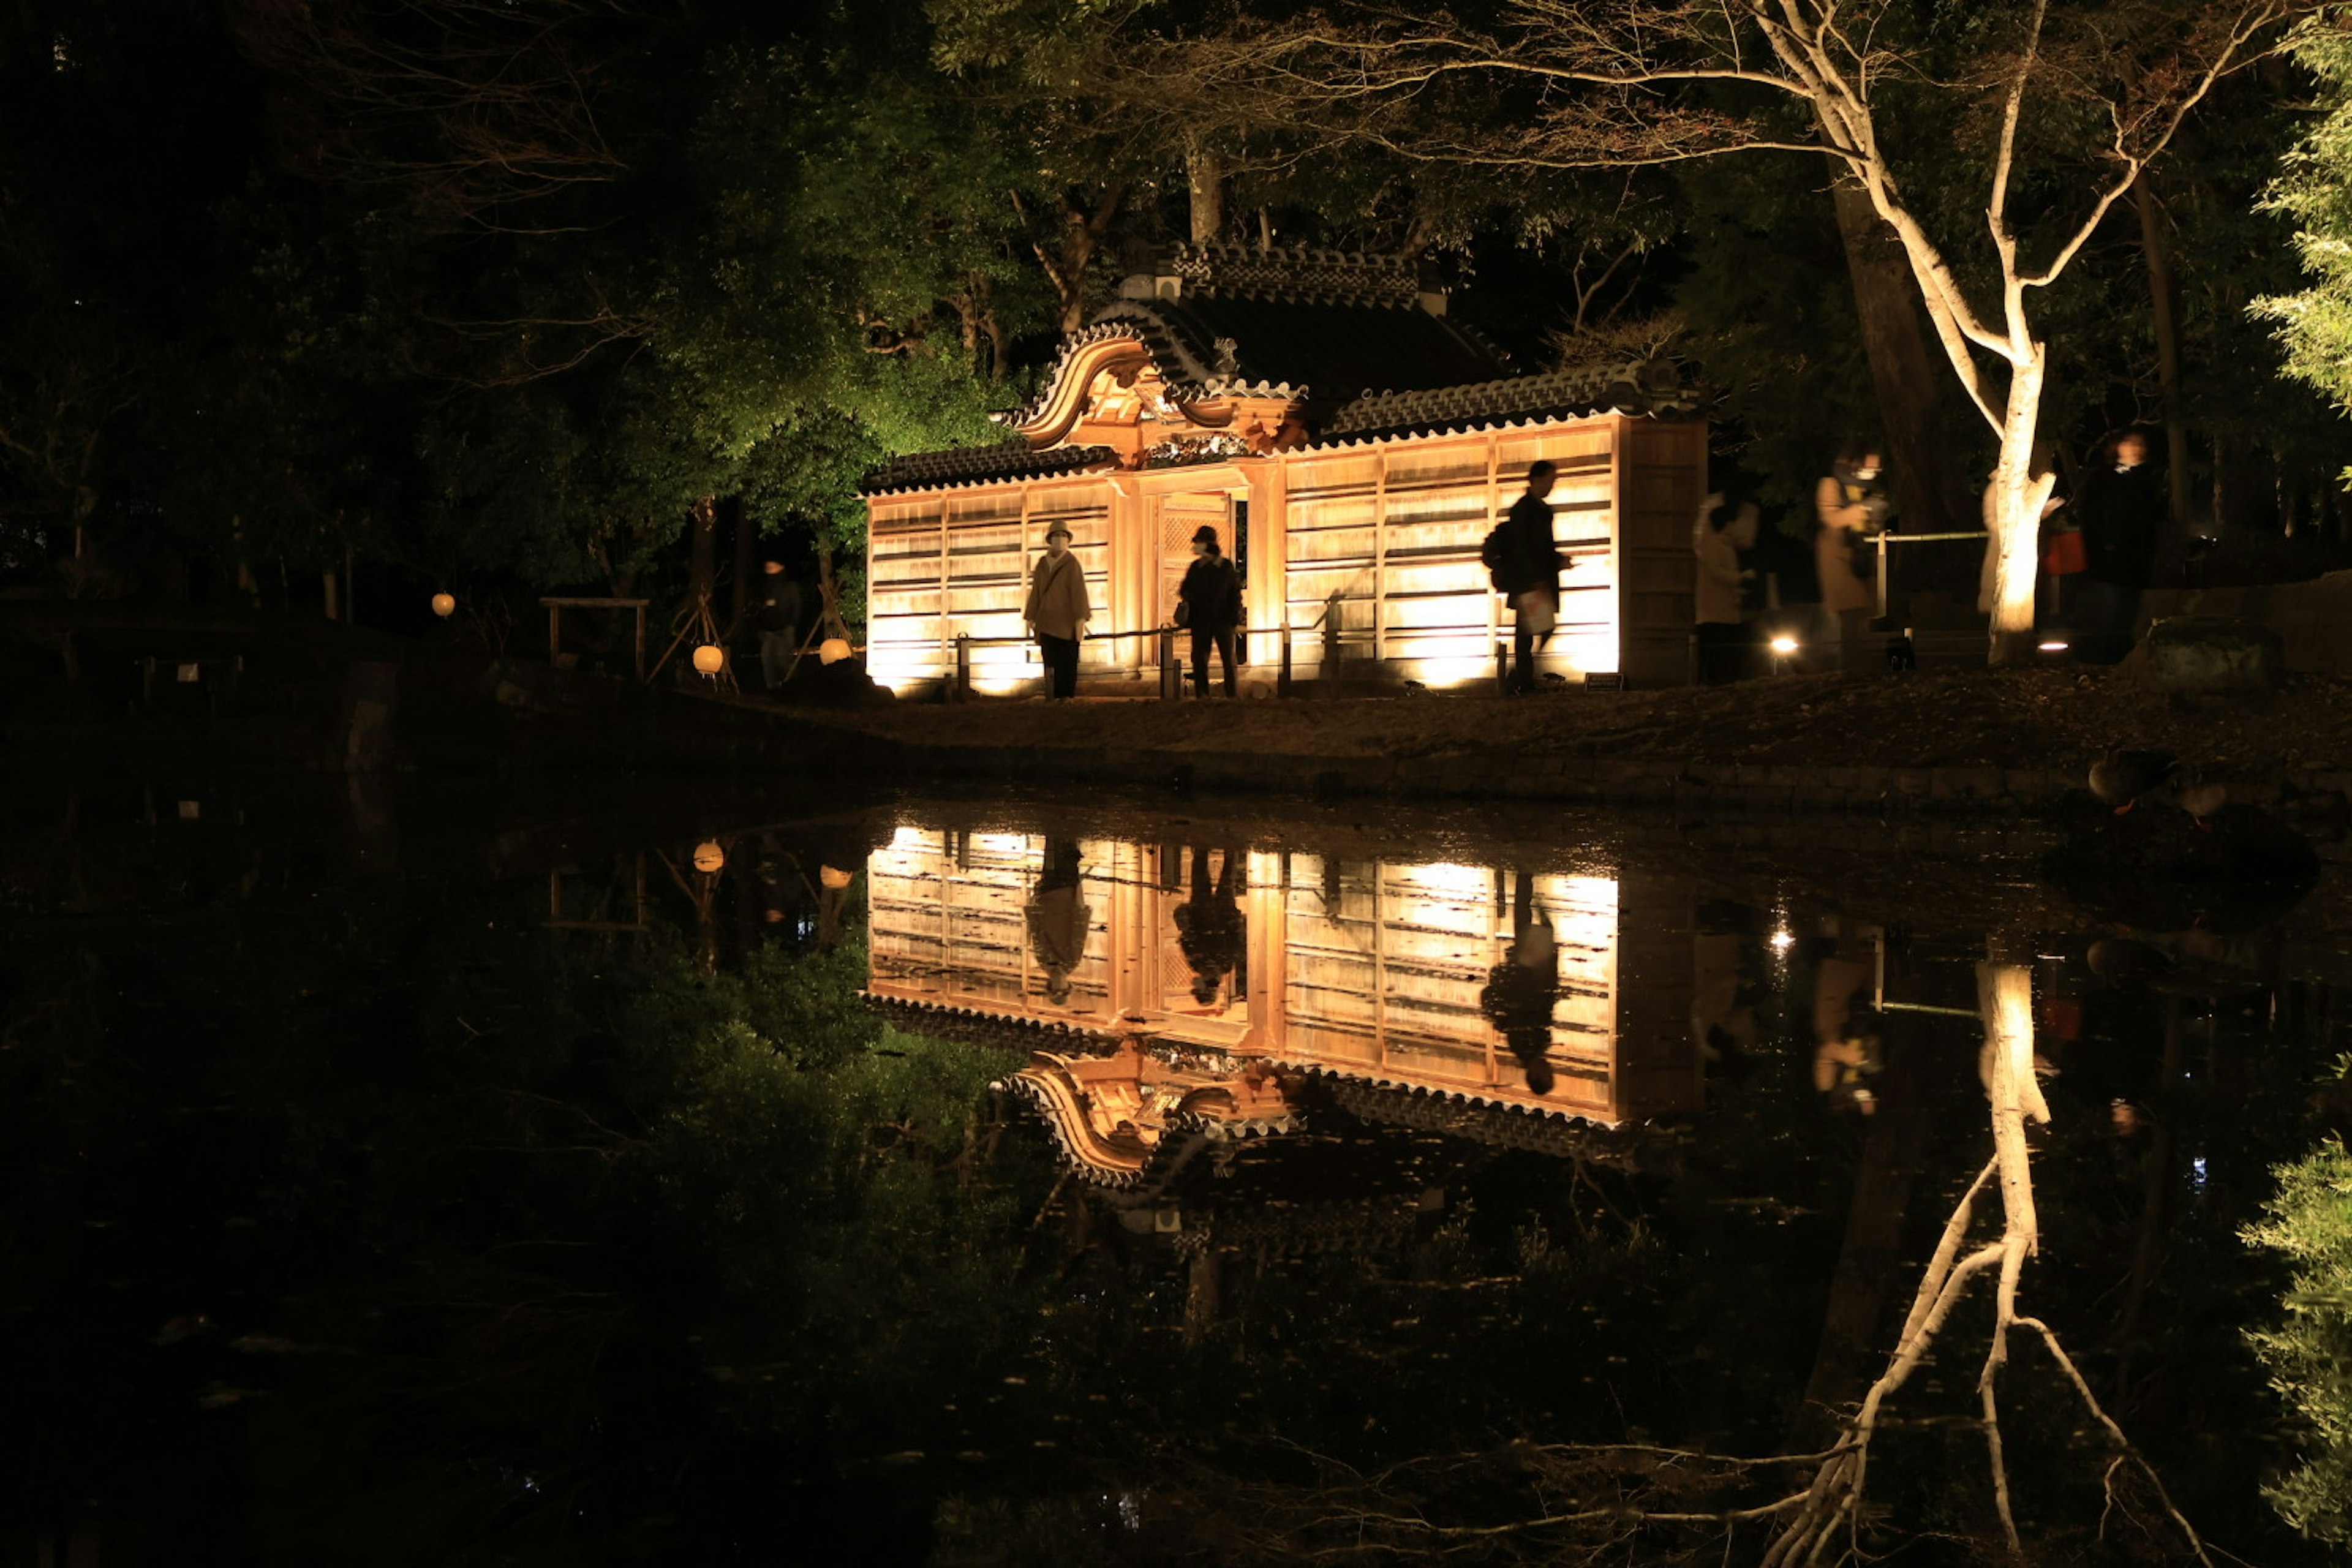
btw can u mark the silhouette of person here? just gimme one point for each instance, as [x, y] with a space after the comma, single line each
[1520, 991]
[1209, 925]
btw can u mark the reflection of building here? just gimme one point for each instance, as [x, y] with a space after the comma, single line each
[1350, 443]
[1364, 972]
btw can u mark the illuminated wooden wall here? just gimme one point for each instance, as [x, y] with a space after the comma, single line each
[1366, 969]
[1390, 526]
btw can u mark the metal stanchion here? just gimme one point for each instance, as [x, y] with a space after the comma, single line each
[961, 690]
[1171, 672]
[1282, 681]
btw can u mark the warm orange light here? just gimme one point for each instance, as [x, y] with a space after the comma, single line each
[1784, 645]
[711, 658]
[834, 876]
[833, 651]
[709, 856]
[444, 605]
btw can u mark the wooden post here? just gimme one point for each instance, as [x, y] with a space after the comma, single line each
[961, 690]
[1171, 675]
[1502, 667]
[1331, 644]
[1282, 681]
[555, 632]
[1882, 572]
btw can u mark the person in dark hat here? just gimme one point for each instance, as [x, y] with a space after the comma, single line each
[1209, 604]
[1058, 610]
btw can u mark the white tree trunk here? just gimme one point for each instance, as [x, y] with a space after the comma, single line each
[2019, 495]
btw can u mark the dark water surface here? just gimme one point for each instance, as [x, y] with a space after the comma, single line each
[425, 1176]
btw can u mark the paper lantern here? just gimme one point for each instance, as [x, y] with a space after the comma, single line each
[834, 876]
[833, 651]
[709, 856]
[709, 658]
[444, 605]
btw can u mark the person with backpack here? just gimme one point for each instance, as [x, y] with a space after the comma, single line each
[1209, 604]
[1522, 561]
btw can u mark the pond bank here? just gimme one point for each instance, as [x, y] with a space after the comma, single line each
[1961, 742]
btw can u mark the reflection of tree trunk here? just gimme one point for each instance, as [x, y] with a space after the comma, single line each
[1907, 378]
[1201, 1292]
[2156, 1209]
[2163, 297]
[1870, 1260]
[1204, 175]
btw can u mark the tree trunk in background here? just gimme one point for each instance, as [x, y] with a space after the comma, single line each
[1204, 174]
[2164, 293]
[739, 598]
[702, 578]
[1907, 373]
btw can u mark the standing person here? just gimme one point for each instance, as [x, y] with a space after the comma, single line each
[1853, 507]
[2121, 513]
[778, 622]
[1529, 572]
[1726, 529]
[1212, 597]
[1057, 611]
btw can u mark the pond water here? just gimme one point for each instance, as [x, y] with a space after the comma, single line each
[416, 1175]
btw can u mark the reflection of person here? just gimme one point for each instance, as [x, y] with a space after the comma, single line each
[1727, 526]
[1057, 611]
[1723, 1000]
[1530, 574]
[1212, 593]
[1058, 917]
[2122, 513]
[778, 622]
[1853, 507]
[1209, 926]
[1521, 991]
[1845, 1038]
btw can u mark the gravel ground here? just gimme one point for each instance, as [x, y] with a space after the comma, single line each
[2040, 717]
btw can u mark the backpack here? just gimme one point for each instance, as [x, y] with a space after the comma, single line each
[1494, 555]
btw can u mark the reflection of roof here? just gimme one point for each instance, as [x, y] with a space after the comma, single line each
[1121, 1119]
[1511, 1127]
[983, 464]
[978, 1026]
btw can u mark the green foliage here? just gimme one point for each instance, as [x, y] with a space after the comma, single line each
[2309, 1351]
[2315, 189]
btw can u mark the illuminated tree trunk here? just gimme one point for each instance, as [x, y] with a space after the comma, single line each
[1204, 175]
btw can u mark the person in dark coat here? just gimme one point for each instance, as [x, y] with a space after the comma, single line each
[1530, 574]
[778, 622]
[1211, 595]
[1058, 917]
[2121, 511]
[1209, 925]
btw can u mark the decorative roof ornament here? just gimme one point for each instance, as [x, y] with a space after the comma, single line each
[1228, 362]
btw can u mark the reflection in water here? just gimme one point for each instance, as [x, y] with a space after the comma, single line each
[1462, 981]
[574, 1209]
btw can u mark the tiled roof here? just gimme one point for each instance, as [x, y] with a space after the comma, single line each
[1651, 387]
[1300, 274]
[983, 465]
[1221, 346]
[973, 1025]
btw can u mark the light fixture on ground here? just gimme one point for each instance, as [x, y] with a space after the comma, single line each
[711, 658]
[1784, 646]
[709, 856]
[444, 605]
[833, 651]
[2052, 644]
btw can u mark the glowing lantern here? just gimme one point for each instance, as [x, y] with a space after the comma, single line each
[833, 651]
[444, 605]
[834, 876]
[709, 856]
[709, 658]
